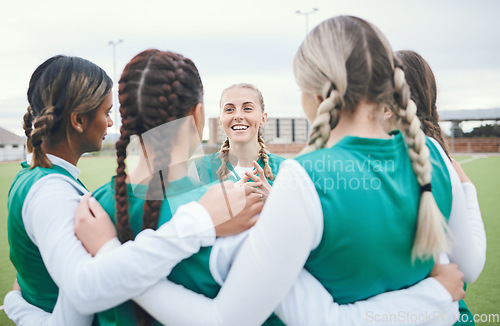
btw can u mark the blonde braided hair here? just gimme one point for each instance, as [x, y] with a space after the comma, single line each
[223, 171]
[346, 60]
[263, 155]
[430, 237]
[327, 118]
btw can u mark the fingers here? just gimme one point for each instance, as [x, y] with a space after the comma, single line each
[83, 207]
[254, 198]
[256, 208]
[249, 189]
[258, 168]
[96, 208]
[251, 175]
[247, 177]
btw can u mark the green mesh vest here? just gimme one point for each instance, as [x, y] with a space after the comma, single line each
[369, 195]
[193, 272]
[37, 286]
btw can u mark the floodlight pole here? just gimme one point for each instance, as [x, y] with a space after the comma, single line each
[306, 15]
[116, 105]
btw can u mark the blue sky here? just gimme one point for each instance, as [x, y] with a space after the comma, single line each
[247, 41]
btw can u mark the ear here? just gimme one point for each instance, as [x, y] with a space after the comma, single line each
[199, 114]
[387, 113]
[78, 122]
[318, 99]
[199, 117]
[264, 120]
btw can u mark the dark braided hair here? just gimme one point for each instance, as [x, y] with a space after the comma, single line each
[60, 86]
[156, 87]
[423, 88]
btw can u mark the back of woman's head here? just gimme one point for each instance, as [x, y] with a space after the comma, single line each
[423, 89]
[346, 61]
[156, 87]
[58, 87]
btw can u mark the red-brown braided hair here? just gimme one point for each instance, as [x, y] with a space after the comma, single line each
[156, 87]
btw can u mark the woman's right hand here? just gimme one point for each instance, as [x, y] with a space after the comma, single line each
[16, 286]
[93, 227]
[451, 278]
[233, 209]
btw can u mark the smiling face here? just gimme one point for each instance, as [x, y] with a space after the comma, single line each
[241, 114]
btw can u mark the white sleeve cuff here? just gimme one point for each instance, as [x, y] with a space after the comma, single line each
[193, 221]
[110, 246]
[433, 285]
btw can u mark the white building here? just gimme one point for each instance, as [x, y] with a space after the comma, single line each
[12, 146]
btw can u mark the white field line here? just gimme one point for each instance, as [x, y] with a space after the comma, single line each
[472, 159]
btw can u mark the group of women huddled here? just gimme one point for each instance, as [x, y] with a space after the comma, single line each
[243, 236]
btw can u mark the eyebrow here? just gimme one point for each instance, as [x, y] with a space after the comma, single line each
[244, 103]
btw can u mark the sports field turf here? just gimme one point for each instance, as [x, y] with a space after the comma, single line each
[483, 296]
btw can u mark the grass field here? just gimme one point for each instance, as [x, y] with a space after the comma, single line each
[483, 296]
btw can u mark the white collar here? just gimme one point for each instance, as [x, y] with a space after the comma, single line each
[73, 170]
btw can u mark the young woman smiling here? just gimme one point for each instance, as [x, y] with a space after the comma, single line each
[68, 114]
[244, 152]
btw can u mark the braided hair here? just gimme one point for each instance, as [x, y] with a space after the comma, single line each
[420, 78]
[156, 87]
[58, 87]
[223, 171]
[346, 60]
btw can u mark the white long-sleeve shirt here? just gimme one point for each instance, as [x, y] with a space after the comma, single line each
[224, 252]
[91, 284]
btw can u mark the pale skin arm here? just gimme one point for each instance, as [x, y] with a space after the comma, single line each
[234, 299]
[460, 171]
[171, 304]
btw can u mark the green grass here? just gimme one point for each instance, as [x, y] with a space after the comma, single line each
[483, 296]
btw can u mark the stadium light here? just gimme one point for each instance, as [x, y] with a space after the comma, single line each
[115, 101]
[306, 15]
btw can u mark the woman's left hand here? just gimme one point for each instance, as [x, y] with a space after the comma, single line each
[260, 180]
[92, 225]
